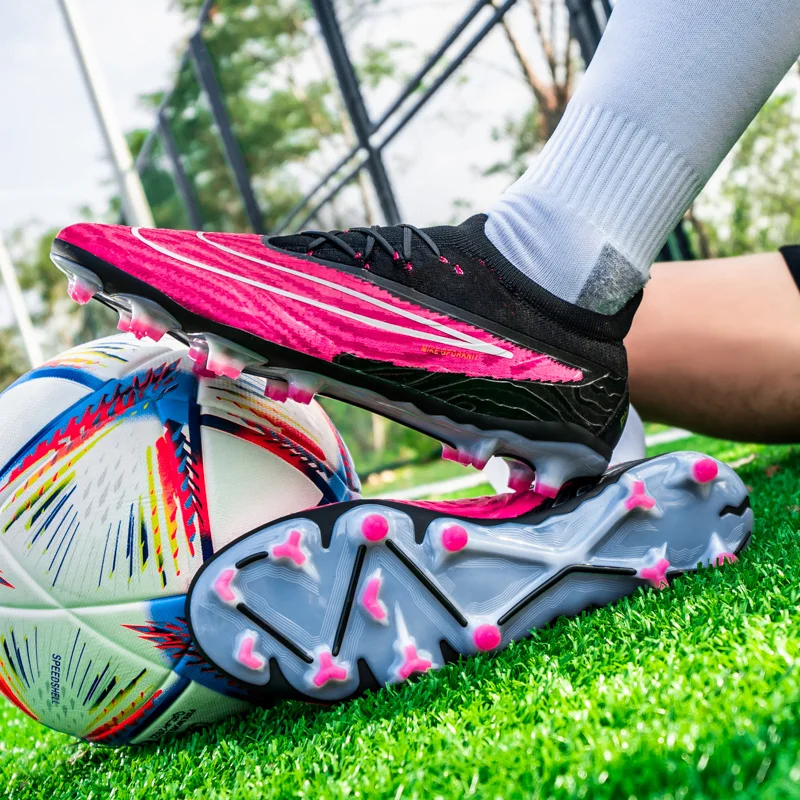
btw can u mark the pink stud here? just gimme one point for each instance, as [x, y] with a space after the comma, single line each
[290, 549]
[725, 558]
[80, 290]
[245, 654]
[464, 458]
[374, 527]
[639, 498]
[520, 476]
[486, 637]
[146, 327]
[300, 394]
[222, 586]
[545, 490]
[479, 461]
[199, 369]
[454, 538]
[328, 671]
[705, 470]
[197, 353]
[657, 574]
[369, 599]
[412, 662]
[276, 390]
[228, 368]
[124, 323]
[450, 453]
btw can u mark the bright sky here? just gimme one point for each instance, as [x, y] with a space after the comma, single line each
[51, 154]
[52, 160]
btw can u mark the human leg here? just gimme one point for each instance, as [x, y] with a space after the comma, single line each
[715, 348]
[673, 85]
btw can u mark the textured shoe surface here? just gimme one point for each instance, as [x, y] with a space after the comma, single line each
[325, 604]
[432, 328]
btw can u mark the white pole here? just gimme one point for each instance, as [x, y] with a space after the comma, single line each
[24, 324]
[134, 201]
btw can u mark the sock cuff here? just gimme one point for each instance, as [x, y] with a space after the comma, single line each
[608, 169]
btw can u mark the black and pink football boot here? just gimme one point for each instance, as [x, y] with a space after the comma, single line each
[326, 603]
[433, 328]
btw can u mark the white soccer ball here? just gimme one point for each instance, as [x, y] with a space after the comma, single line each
[121, 471]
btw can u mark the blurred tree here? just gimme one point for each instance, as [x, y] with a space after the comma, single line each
[757, 204]
[12, 357]
[551, 83]
[288, 117]
[285, 111]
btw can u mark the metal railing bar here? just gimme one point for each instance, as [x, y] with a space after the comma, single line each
[449, 70]
[432, 61]
[182, 182]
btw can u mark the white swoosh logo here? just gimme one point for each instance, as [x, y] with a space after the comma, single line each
[450, 337]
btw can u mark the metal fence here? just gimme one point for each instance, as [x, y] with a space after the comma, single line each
[587, 22]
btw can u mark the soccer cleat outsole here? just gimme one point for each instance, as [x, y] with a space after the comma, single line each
[546, 464]
[336, 600]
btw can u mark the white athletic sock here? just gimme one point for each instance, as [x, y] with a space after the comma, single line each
[673, 85]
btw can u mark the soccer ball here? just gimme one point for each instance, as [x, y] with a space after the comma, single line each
[121, 471]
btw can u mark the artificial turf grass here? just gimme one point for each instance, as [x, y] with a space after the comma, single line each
[693, 692]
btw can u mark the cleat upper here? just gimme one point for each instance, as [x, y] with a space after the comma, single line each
[433, 328]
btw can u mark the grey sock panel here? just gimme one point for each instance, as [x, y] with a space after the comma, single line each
[672, 86]
[612, 279]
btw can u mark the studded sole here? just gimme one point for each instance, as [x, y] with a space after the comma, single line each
[328, 603]
[547, 465]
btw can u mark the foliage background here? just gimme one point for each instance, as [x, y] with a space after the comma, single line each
[291, 125]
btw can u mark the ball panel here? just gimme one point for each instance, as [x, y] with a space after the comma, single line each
[60, 671]
[96, 510]
[29, 406]
[249, 486]
[195, 708]
[303, 435]
[134, 470]
[106, 359]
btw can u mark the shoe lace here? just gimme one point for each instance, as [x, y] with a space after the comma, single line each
[373, 239]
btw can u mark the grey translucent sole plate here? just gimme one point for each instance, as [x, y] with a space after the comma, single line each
[357, 595]
[556, 462]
